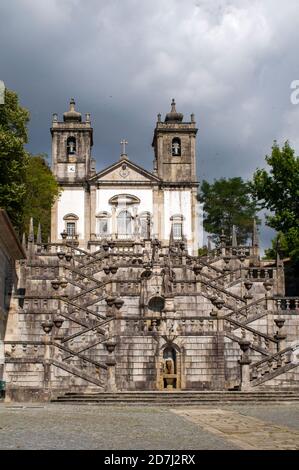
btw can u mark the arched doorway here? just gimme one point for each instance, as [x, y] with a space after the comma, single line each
[169, 367]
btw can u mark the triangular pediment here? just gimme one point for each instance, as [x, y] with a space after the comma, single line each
[125, 171]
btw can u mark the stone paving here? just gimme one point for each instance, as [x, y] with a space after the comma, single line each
[54, 426]
[242, 430]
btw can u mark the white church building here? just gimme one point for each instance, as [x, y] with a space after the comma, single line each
[125, 202]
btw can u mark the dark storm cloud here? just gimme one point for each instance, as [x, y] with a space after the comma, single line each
[229, 62]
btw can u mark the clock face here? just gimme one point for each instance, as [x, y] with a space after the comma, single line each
[71, 168]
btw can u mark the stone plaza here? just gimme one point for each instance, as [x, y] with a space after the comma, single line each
[51, 426]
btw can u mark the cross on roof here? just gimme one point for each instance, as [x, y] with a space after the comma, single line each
[123, 143]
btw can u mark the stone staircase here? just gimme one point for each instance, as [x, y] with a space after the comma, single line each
[179, 398]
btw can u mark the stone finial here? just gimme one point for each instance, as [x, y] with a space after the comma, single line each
[173, 110]
[171, 240]
[72, 114]
[24, 241]
[222, 238]
[159, 117]
[31, 231]
[192, 117]
[72, 104]
[87, 117]
[39, 235]
[173, 116]
[234, 236]
[55, 117]
[255, 238]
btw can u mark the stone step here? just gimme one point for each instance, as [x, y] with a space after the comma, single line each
[188, 395]
[177, 398]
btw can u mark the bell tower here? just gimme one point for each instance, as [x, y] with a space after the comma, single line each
[174, 147]
[72, 140]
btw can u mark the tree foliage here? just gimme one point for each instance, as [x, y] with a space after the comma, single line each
[42, 190]
[228, 202]
[13, 157]
[27, 186]
[277, 190]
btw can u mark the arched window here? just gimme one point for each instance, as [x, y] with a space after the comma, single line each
[177, 226]
[124, 224]
[71, 146]
[176, 147]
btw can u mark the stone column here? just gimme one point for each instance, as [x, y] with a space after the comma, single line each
[245, 362]
[47, 327]
[111, 363]
[113, 223]
[93, 194]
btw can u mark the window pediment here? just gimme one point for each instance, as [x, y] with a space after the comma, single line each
[70, 217]
[124, 199]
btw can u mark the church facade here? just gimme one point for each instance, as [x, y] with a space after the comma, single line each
[125, 201]
[119, 300]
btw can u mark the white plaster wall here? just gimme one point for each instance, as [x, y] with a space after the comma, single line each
[71, 201]
[145, 196]
[177, 202]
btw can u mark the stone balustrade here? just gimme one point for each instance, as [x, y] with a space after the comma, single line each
[266, 366]
[287, 303]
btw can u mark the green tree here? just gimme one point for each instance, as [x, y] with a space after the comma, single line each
[228, 202]
[41, 191]
[13, 157]
[277, 190]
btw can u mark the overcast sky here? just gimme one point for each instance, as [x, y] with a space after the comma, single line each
[229, 62]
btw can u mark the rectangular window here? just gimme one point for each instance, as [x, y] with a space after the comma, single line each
[71, 229]
[102, 226]
[177, 231]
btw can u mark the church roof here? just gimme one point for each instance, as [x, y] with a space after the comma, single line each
[120, 172]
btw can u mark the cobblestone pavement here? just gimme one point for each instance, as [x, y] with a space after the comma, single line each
[54, 426]
[242, 430]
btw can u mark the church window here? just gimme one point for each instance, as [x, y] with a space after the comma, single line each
[102, 224]
[103, 227]
[71, 229]
[177, 226]
[176, 147]
[177, 231]
[124, 224]
[71, 146]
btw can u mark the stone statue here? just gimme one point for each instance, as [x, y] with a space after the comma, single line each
[167, 280]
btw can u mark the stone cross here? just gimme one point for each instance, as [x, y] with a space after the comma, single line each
[123, 143]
